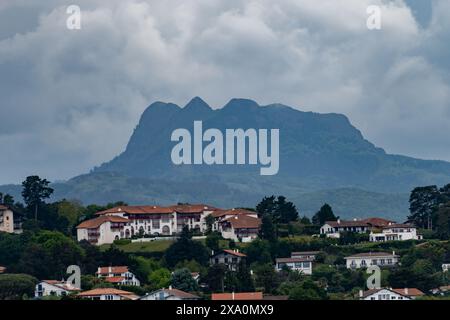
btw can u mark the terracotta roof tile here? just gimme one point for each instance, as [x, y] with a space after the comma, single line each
[343, 223]
[244, 222]
[114, 269]
[234, 253]
[114, 279]
[372, 254]
[146, 209]
[237, 296]
[107, 291]
[97, 222]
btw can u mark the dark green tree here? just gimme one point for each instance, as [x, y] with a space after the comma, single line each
[215, 278]
[324, 214]
[423, 203]
[182, 280]
[35, 191]
[186, 249]
[16, 286]
[244, 278]
[267, 231]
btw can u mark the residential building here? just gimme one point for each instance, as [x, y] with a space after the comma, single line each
[107, 294]
[230, 258]
[237, 296]
[364, 260]
[118, 275]
[53, 288]
[102, 230]
[333, 229]
[170, 294]
[377, 223]
[395, 232]
[2, 269]
[391, 294]
[240, 228]
[300, 264]
[129, 221]
[8, 223]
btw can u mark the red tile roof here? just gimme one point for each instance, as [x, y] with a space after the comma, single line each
[410, 292]
[114, 279]
[61, 284]
[399, 225]
[244, 222]
[238, 296]
[181, 294]
[97, 222]
[115, 269]
[185, 208]
[293, 259]
[372, 254]
[234, 253]
[377, 222]
[108, 291]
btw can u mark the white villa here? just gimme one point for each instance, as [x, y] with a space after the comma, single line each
[7, 223]
[127, 221]
[239, 225]
[364, 260]
[53, 288]
[390, 294]
[395, 232]
[118, 275]
[333, 229]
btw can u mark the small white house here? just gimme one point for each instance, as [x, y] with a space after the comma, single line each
[395, 232]
[333, 229]
[7, 222]
[390, 294]
[53, 288]
[364, 260]
[169, 294]
[303, 265]
[230, 258]
[118, 275]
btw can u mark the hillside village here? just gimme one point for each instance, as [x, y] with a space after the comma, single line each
[201, 252]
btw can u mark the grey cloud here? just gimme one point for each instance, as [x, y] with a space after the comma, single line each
[72, 98]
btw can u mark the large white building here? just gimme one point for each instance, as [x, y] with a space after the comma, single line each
[364, 260]
[128, 221]
[395, 232]
[118, 275]
[7, 222]
[333, 229]
[391, 294]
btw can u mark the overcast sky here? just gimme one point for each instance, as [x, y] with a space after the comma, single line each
[69, 100]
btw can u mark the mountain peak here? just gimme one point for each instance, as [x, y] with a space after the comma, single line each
[197, 104]
[241, 104]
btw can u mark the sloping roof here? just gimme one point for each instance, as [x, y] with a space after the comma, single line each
[115, 269]
[108, 291]
[97, 222]
[293, 259]
[372, 255]
[234, 253]
[238, 296]
[146, 209]
[228, 212]
[399, 225]
[407, 292]
[180, 294]
[114, 279]
[410, 292]
[304, 253]
[343, 223]
[244, 222]
[377, 222]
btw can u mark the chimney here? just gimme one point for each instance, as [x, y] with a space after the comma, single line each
[110, 269]
[338, 221]
[170, 287]
[360, 293]
[212, 252]
[393, 252]
[99, 270]
[406, 291]
[232, 295]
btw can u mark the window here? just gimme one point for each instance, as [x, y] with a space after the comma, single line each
[155, 224]
[306, 265]
[363, 263]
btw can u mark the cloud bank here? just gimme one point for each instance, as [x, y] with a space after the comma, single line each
[70, 99]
